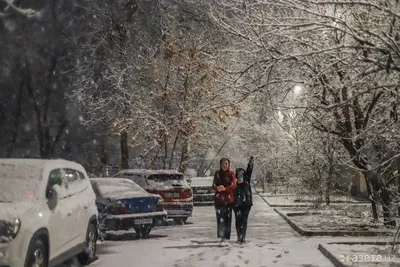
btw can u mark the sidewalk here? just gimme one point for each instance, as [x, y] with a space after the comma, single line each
[272, 243]
[283, 246]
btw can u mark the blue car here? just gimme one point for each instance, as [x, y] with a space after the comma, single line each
[124, 205]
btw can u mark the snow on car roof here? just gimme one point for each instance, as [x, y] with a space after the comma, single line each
[37, 162]
[202, 181]
[20, 178]
[118, 187]
[150, 172]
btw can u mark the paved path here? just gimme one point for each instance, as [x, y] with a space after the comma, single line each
[272, 242]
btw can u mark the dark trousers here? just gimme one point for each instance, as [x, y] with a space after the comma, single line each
[241, 215]
[224, 221]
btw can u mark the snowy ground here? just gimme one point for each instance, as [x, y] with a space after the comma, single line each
[272, 242]
[365, 255]
[337, 216]
[301, 200]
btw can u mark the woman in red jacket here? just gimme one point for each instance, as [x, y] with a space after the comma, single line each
[223, 186]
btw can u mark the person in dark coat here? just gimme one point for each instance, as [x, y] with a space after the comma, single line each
[243, 199]
[223, 186]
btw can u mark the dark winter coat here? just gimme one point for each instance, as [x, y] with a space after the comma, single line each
[228, 180]
[243, 192]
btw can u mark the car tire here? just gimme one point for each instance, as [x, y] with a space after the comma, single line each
[102, 235]
[37, 254]
[180, 220]
[143, 232]
[89, 254]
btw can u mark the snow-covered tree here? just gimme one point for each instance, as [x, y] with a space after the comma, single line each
[343, 53]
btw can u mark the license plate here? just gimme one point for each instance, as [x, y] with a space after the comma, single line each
[144, 221]
[202, 191]
[172, 195]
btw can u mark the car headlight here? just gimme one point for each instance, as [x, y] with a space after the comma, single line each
[160, 205]
[9, 229]
[119, 204]
[16, 227]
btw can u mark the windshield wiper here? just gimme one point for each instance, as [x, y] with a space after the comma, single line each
[3, 201]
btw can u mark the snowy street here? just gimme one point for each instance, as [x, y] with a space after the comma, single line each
[271, 242]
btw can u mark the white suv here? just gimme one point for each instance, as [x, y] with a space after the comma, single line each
[47, 213]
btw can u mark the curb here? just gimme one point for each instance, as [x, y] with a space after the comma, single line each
[338, 263]
[350, 243]
[283, 206]
[330, 256]
[292, 224]
[328, 233]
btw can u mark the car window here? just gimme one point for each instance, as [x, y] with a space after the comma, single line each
[81, 175]
[202, 182]
[137, 178]
[95, 189]
[54, 178]
[165, 177]
[73, 183]
[70, 176]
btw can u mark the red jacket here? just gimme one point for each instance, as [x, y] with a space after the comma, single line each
[228, 180]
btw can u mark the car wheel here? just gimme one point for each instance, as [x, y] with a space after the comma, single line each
[89, 254]
[37, 255]
[102, 235]
[180, 220]
[143, 232]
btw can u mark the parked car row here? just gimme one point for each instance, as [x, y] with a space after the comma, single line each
[202, 190]
[51, 211]
[170, 185]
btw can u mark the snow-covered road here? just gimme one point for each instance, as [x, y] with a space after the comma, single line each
[271, 243]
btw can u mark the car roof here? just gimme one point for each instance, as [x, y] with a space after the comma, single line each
[109, 179]
[202, 181]
[150, 172]
[41, 163]
[205, 177]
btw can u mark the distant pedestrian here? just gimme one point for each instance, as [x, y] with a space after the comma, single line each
[243, 200]
[223, 186]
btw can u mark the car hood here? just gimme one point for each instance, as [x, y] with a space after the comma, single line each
[11, 211]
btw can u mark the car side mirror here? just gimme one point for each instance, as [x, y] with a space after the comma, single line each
[54, 196]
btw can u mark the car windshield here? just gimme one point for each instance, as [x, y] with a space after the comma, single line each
[205, 181]
[118, 187]
[19, 182]
[166, 177]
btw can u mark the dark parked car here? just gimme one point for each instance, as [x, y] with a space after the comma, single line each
[124, 205]
[170, 185]
[202, 190]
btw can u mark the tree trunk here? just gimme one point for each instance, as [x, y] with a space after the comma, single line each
[153, 160]
[124, 150]
[171, 162]
[370, 194]
[165, 152]
[184, 155]
[103, 158]
[386, 207]
[398, 190]
[328, 188]
[18, 113]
